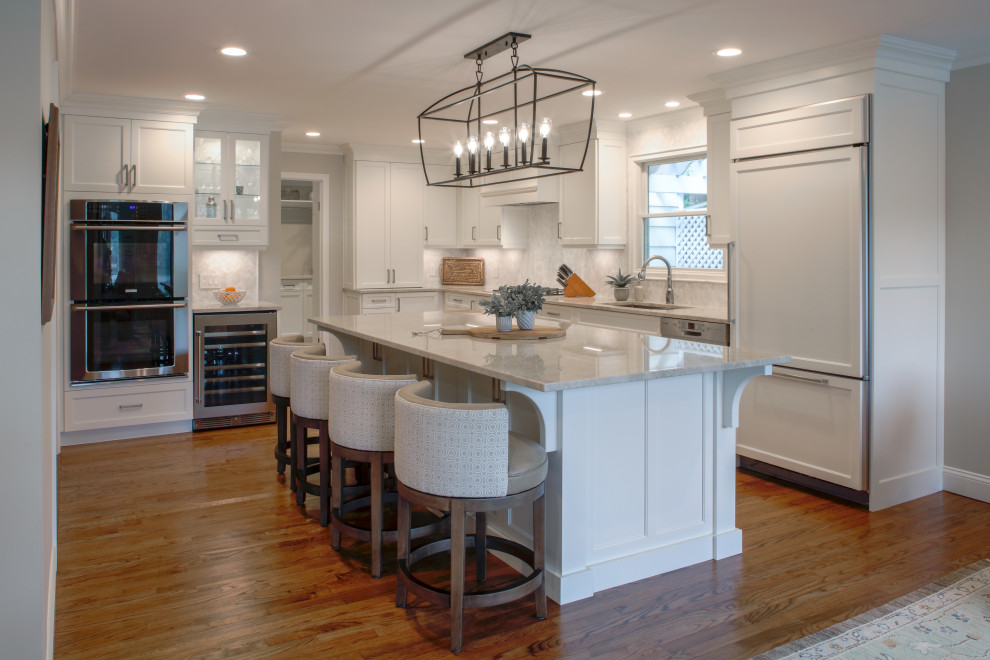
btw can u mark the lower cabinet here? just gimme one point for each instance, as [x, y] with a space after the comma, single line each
[391, 303]
[297, 306]
[91, 407]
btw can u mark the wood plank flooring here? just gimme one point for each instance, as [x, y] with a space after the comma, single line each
[187, 546]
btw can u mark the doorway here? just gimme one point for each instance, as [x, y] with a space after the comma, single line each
[305, 287]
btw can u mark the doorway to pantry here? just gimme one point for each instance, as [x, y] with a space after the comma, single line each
[305, 239]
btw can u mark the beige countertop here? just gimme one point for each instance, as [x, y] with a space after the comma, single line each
[216, 307]
[586, 356]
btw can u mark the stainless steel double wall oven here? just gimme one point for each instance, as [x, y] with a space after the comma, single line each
[129, 288]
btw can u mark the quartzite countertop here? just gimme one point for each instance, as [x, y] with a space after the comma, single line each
[585, 356]
[639, 430]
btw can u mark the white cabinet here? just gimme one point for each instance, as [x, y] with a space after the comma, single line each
[719, 224]
[496, 226]
[386, 302]
[297, 307]
[440, 221]
[386, 225]
[231, 194]
[128, 404]
[127, 156]
[593, 202]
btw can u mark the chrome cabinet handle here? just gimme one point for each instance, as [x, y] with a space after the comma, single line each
[457, 300]
[388, 277]
[232, 207]
[131, 406]
[498, 232]
[126, 177]
[133, 177]
[558, 229]
[398, 304]
[426, 233]
[228, 237]
[393, 276]
[708, 225]
[224, 209]
[473, 237]
[198, 365]
[379, 300]
[553, 313]
[728, 278]
[811, 379]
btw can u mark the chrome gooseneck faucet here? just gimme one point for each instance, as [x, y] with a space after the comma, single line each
[642, 276]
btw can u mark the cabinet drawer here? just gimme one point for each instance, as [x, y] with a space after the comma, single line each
[457, 301]
[556, 313]
[621, 320]
[255, 236]
[377, 300]
[96, 408]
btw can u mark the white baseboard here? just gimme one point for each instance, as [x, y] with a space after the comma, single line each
[967, 484]
[50, 605]
[69, 438]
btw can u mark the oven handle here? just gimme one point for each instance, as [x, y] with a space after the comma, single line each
[82, 307]
[128, 227]
[198, 366]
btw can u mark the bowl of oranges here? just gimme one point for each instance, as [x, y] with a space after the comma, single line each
[229, 296]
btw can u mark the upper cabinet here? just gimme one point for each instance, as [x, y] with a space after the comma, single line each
[127, 156]
[440, 221]
[231, 191]
[491, 226]
[593, 201]
[384, 229]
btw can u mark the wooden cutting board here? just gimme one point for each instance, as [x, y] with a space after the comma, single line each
[489, 332]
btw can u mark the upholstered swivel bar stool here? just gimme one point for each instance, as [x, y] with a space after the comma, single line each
[461, 458]
[279, 351]
[310, 373]
[362, 430]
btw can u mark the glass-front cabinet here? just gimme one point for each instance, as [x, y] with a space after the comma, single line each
[231, 179]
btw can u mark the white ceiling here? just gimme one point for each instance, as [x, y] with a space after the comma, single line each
[360, 71]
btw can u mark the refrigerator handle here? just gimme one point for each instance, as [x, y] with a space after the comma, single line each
[198, 366]
[729, 247]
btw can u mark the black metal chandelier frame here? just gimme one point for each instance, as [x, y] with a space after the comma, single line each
[472, 97]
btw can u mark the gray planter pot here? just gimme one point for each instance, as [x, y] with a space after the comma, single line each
[526, 319]
[503, 323]
[621, 293]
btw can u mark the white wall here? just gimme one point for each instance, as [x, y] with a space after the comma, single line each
[24, 473]
[967, 358]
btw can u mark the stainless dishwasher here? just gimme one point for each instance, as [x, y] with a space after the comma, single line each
[231, 369]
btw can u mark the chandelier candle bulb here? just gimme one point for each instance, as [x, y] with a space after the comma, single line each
[544, 134]
[472, 152]
[458, 150]
[489, 143]
[504, 138]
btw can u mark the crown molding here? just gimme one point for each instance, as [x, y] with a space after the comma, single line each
[392, 154]
[211, 119]
[303, 148]
[972, 57]
[671, 118]
[884, 52]
[712, 102]
[130, 107]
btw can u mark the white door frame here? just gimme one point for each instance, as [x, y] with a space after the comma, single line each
[321, 255]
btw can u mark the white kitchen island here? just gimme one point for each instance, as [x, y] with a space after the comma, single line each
[640, 431]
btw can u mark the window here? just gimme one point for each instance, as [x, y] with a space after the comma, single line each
[675, 223]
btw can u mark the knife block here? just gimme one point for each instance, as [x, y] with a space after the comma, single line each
[576, 288]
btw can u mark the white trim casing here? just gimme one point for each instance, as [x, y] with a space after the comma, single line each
[967, 484]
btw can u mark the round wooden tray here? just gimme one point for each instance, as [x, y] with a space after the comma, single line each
[489, 332]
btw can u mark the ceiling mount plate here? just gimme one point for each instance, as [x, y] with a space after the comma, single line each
[496, 46]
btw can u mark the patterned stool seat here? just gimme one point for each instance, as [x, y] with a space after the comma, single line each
[279, 385]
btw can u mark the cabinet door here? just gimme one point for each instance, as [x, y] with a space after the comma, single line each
[416, 302]
[291, 314]
[441, 212]
[209, 155]
[489, 226]
[371, 241]
[161, 157]
[578, 198]
[96, 151]
[469, 203]
[248, 193]
[406, 224]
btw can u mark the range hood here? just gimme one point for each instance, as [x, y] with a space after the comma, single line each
[522, 193]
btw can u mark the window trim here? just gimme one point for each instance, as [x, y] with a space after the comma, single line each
[680, 274]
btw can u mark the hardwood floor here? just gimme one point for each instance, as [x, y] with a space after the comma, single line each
[187, 546]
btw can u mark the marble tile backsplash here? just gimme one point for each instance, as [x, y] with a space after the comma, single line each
[539, 263]
[237, 268]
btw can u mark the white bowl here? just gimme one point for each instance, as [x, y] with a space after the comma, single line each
[229, 297]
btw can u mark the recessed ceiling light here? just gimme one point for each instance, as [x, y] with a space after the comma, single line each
[233, 51]
[489, 121]
[728, 52]
[672, 104]
[418, 141]
[625, 115]
[195, 97]
[312, 134]
[589, 92]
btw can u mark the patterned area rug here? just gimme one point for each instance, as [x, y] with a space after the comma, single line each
[949, 618]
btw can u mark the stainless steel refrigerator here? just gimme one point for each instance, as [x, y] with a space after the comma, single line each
[800, 194]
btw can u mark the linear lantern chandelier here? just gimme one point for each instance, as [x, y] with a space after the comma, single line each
[499, 130]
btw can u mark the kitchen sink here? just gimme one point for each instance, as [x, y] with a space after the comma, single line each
[644, 305]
